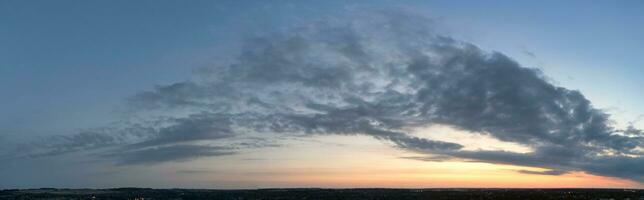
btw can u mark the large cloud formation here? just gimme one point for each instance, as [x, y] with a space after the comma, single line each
[379, 74]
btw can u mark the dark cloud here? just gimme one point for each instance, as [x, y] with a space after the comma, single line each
[161, 154]
[202, 126]
[617, 166]
[195, 171]
[439, 158]
[382, 74]
[178, 94]
[549, 172]
[77, 142]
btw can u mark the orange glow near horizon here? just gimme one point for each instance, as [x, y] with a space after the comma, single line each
[325, 161]
[396, 180]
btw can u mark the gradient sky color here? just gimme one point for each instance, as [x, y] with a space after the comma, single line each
[69, 66]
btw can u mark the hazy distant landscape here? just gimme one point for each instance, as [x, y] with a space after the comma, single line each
[143, 193]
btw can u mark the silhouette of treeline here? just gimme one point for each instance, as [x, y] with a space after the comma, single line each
[323, 194]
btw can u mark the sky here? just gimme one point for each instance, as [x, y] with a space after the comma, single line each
[338, 94]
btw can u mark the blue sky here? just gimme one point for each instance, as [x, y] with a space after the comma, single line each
[67, 66]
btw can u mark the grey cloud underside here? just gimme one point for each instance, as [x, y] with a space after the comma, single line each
[380, 74]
